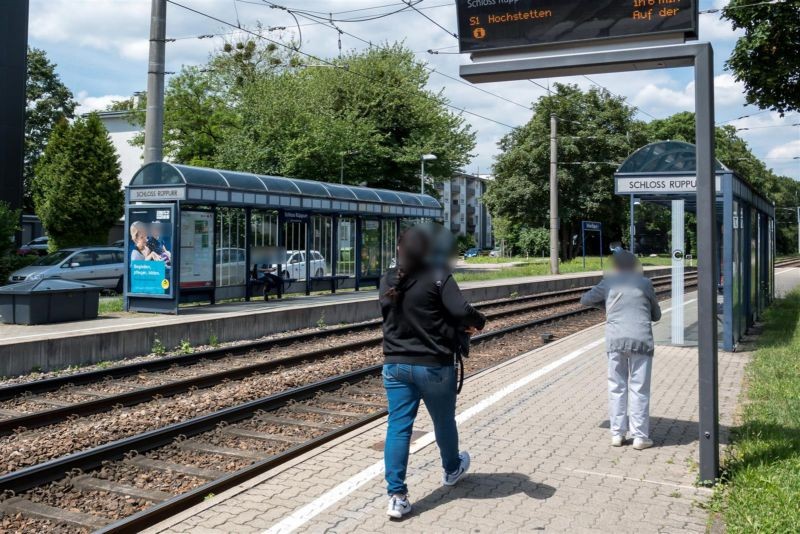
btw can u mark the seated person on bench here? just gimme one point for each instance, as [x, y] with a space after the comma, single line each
[266, 275]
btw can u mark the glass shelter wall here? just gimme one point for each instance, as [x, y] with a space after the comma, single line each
[346, 245]
[231, 263]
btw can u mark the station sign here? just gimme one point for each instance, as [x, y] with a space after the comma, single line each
[158, 194]
[500, 24]
[590, 226]
[658, 185]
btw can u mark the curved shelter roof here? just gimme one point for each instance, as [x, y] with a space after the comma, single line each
[672, 157]
[215, 186]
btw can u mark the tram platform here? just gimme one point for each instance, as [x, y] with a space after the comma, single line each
[537, 430]
[123, 335]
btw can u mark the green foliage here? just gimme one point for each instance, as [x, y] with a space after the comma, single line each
[48, 102]
[185, 347]
[321, 323]
[594, 127]
[252, 108]
[762, 472]
[534, 241]
[464, 243]
[11, 262]
[213, 340]
[767, 58]
[9, 225]
[77, 192]
[158, 347]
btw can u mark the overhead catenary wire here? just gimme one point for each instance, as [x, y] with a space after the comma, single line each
[321, 60]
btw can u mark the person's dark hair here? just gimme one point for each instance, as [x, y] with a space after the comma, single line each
[625, 261]
[413, 248]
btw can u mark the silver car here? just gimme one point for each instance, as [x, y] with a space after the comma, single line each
[104, 266]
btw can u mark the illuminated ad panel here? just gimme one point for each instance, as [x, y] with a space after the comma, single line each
[498, 24]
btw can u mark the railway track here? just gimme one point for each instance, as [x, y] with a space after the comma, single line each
[153, 475]
[48, 402]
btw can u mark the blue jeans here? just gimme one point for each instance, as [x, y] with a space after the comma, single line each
[405, 386]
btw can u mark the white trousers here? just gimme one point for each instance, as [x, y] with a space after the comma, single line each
[629, 393]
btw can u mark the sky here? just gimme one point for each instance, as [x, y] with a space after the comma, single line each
[101, 49]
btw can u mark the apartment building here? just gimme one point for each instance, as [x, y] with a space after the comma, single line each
[464, 211]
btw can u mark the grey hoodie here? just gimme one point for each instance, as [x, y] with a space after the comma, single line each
[631, 305]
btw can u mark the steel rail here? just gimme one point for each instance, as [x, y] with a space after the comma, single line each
[90, 377]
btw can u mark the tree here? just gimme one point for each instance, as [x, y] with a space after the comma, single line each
[371, 106]
[767, 58]
[78, 194]
[48, 101]
[596, 132]
[9, 225]
[534, 241]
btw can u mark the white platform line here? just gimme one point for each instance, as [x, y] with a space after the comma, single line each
[306, 513]
[786, 271]
[646, 480]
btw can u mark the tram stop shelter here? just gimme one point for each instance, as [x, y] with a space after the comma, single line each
[198, 234]
[666, 173]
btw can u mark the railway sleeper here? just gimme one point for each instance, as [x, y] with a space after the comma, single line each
[91, 483]
[348, 400]
[35, 510]
[170, 467]
[301, 408]
[285, 421]
[262, 436]
[207, 448]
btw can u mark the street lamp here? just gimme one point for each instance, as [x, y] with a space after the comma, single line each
[424, 158]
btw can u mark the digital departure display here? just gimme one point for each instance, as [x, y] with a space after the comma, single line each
[496, 24]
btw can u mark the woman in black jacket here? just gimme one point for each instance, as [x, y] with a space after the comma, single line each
[424, 314]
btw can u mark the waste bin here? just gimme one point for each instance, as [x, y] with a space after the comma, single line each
[49, 301]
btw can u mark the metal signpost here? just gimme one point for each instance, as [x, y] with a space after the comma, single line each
[554, 38]
[591, 226]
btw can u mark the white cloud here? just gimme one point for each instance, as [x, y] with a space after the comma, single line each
[786, 150]
[87, 104]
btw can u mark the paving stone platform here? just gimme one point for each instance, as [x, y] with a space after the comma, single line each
[537, 429]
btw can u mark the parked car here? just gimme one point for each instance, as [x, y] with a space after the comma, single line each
[104, 266]
[472, 253]
[295, 266]
[496, 253]
[36, 246]
[231, 266]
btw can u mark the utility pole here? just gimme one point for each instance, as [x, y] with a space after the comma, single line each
[554, 222]
[633, 226]
[798, 229]
[154, 121]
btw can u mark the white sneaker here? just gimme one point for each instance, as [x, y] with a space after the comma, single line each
[617, 441]
[450, 479]
[398, 506]
[642, 443]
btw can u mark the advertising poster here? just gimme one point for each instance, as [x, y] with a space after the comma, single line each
[150, 250]
[197, 249]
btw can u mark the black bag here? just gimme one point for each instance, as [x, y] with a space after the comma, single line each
[461, 338]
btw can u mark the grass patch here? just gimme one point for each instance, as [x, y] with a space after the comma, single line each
[110, 305]
[761, 479]
[539, 268]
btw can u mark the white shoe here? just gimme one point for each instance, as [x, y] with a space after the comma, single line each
[398, 506]
[450, 479]
[642, 443]
[617, 441]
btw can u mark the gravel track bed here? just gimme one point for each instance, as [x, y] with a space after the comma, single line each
[35, 446]
[268, 448]
[21, 524]
[97, 503]
[148, 479]
[173, 453]
[266, 427]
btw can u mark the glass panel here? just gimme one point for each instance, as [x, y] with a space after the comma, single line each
[753, 265]
[322, 246]
[371, 248]
[340, 191]
[106, 257]
[279, 185]
[294, 237]
[240, 180]
[388, 196]
[311, 188]
[230, 239]
[264, 225]
[409, 199]
[346, 260]
[157, 174]
[200, 176]
[362, 193]
[388, 244]
[82, 259]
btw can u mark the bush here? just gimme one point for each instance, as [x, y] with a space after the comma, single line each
[534, 241]
[9, 225]
[464, 243]
[11, 262]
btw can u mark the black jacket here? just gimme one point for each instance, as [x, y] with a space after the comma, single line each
[422, 325]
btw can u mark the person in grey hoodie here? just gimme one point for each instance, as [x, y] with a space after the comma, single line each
[631, 306]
